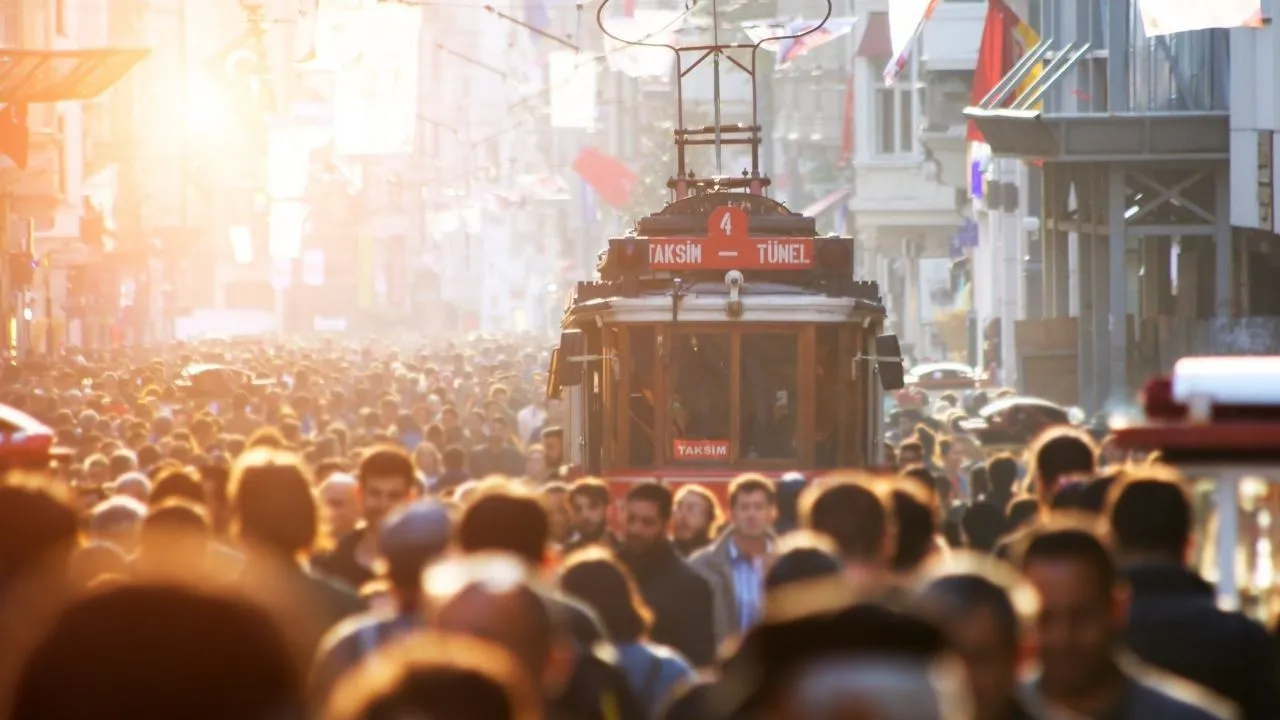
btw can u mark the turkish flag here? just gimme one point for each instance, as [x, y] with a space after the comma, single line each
[612, 180]
[997, 54]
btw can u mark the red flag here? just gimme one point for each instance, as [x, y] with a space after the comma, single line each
[997, 54]
[15, 137]
[846, 125]
[629, 8]
[612, 180]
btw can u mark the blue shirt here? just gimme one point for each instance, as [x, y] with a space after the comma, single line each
[748, 586]
[653, 672]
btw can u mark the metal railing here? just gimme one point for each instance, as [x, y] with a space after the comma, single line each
[1187, 72]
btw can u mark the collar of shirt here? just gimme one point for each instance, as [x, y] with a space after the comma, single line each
[736, 555]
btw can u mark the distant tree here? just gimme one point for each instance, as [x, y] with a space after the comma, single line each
[653, 168]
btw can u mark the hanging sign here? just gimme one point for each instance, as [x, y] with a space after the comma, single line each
[728, 245]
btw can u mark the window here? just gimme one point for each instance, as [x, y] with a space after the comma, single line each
[896, 120]
[767, 407]
[899, 110]
[700, 388]
[641, 380]
[827, 400]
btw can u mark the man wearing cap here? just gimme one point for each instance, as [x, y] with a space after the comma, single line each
[409, 539]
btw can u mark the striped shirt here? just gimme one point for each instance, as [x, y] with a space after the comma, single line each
[748, 585]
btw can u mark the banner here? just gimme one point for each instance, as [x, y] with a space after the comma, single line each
[787, 48]
[1165, 17]
[573, 90]
[906, 20]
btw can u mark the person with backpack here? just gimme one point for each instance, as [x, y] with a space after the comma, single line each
[654, 672]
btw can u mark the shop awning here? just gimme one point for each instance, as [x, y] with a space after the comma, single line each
[46, 76]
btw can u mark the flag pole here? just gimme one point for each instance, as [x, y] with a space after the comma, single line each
[715, 68]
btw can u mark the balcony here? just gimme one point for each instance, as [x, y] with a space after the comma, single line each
[1097, 89]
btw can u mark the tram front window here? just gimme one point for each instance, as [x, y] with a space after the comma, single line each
[700, 396]
[767, 407]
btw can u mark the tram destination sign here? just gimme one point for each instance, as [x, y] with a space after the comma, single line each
[728, 245]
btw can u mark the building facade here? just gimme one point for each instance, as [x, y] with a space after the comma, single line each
[907, 207]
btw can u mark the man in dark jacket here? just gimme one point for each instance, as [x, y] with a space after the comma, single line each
[678, 595]
[497, 456]
[1174, 623]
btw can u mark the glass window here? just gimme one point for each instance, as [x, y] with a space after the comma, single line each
[768, 403]
[640, 386]
[887, 143]
[700, 396]
[827, 399]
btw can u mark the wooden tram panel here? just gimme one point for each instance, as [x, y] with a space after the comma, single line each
[781, 279]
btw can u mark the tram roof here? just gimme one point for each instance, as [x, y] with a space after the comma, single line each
[707, 239]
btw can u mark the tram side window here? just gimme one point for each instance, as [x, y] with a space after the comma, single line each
[700, 393]
[827, 398]
[767, 408]
[641, 386]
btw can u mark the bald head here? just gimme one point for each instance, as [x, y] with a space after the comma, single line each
[517, 619]
[340, 503]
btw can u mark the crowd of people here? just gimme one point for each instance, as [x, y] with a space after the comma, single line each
[383, 535]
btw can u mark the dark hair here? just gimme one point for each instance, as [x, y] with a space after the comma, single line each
[266, 437]
[176, 515]
[983, 524]
[652, 492]
[506, 520]
[176, 483]
[1021, 510]
[224, 651]
[1068, 541]
[854, 515]
[928, 440]
[593, 576]
[800, 563]
[450, 677]
[1002, 471]
[386, 461]
[922, 477]
[1151, 515]
[750, 483]
[1060, 451]
[909, 446]
[916, 527]
[593, 490]
[34, 527]
[958, 597]
[272, 502]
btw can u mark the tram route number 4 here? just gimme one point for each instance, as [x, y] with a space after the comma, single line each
[728, 245]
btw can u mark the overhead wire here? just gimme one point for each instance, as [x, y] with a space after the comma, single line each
[552, 87]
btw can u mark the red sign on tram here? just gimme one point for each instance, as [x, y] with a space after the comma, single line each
[728, 245]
